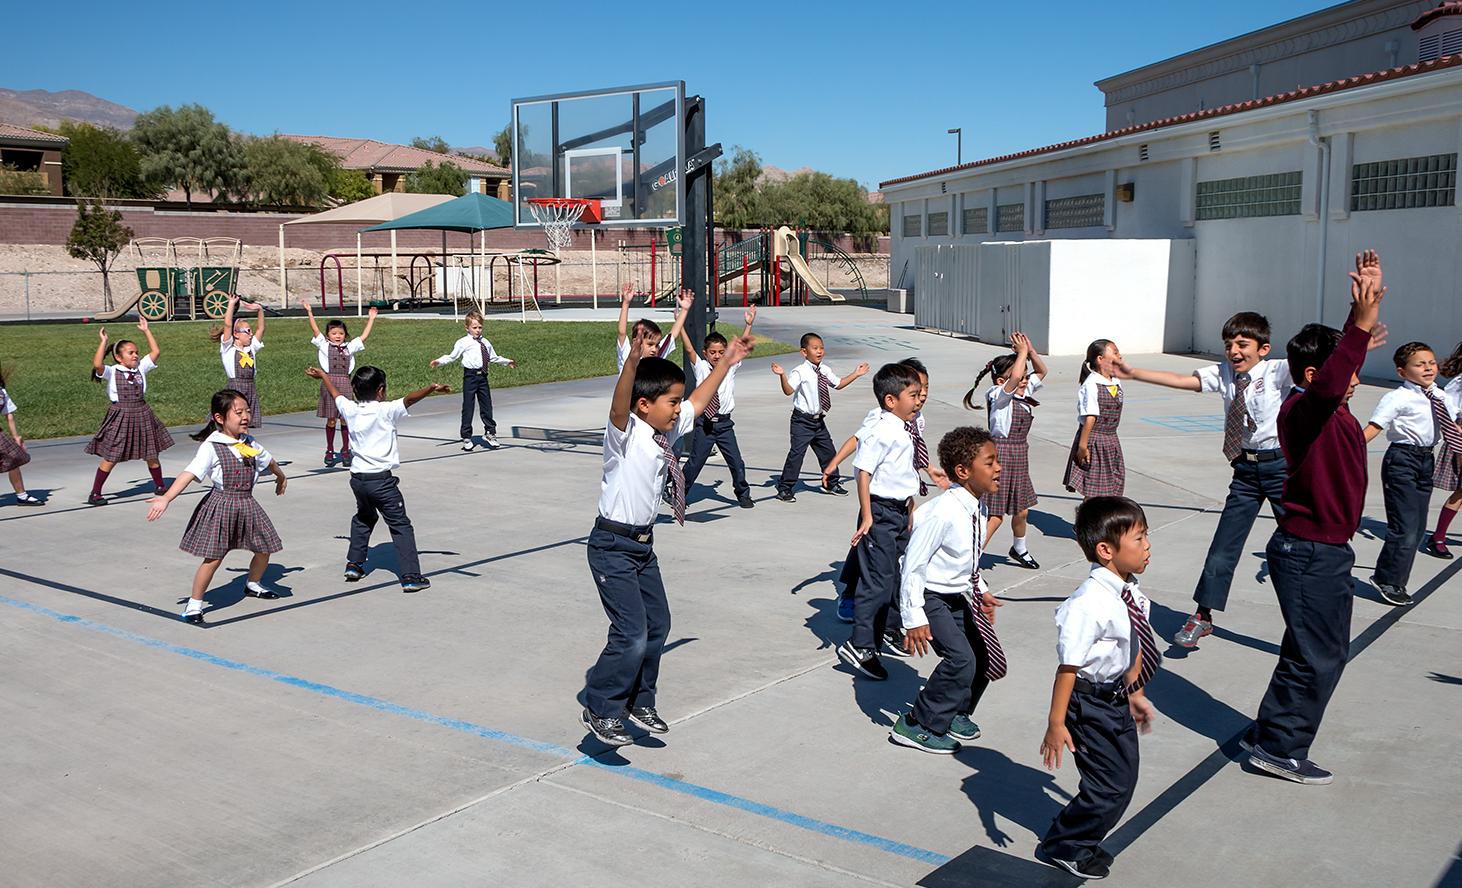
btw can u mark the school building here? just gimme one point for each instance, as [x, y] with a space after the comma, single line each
[1244, 175]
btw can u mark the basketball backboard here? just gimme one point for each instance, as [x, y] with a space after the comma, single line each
[624, 147]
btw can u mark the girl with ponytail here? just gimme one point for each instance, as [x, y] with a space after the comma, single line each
[1016, 376]
[1095, 466]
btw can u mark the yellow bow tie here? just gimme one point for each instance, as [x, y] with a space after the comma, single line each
[1113, 389]
[246, 359]
[245, 450]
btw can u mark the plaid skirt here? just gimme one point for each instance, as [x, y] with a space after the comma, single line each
[326, 406]
[1446, 476]
[1105, 474]
[246, 388]
[130, 431]
[226, 520]
[12, 455]
[1016, 493]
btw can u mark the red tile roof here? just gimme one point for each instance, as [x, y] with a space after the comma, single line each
[10, 131]
[1308, 92]
[368, 154]
[1432, 15]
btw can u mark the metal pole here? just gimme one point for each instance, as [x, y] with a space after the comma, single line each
[695, 245]
[283, 293]
[594, 265]
[27, 294]
[958, 146]
[652, 270]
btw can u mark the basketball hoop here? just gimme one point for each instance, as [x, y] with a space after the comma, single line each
[557, 215]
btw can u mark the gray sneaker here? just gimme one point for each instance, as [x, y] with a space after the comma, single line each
[490, 440]
[1194, 629]
[963, 729]
[610, 730]
[1298, 770]
[1393, 594]
[916, 737]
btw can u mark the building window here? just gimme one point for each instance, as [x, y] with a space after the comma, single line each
[1086, 211]
[1246, 197]
[938, 224]
[1010, 217]
[977, 221]
[913, 226]
[1402, 184]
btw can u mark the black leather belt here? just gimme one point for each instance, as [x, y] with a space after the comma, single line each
[885, 501]
[641, 533]
[809, 415]
[1258, 456]
[468, 371]
[1107, 690]
[373, 476]
[719, 417]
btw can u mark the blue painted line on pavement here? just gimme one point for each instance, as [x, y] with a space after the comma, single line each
[679, 786]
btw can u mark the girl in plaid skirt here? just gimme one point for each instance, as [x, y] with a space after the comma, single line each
[337, 359]
[130, 430]
[13, 454]
[239, 346]
[1447, 475]
[1009, 403]
[228, 517]
[1095, 466]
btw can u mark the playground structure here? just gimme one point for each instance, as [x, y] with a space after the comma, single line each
[182, 278]
[779, 260]
[429, 279]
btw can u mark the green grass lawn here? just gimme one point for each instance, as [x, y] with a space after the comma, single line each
[49, 365]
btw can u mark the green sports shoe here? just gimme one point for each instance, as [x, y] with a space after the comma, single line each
[964, 729]
[918, 738]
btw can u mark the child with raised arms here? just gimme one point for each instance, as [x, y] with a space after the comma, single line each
[130, 429]
[337, 360]
[1448, 476]
[238, 347]
[1095, 466]
[714, 427]
[654, 343]
[228, 517]
[13, 452]
[476, 353]
[1016, 376]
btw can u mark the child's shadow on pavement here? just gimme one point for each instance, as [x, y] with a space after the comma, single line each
[1021, 794]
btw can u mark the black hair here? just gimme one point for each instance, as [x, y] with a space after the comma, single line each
[111, 352]
[1404, 353]
[366, 383]
[807, 338]
[643, 324]
[960, 446]
[1097, 348]
[1311, 347]
[332, 324]
[654, 377]
[714, 338]
[223, 402]
[892, 379]
[1248, 324]
[1106, 519]
[918, 366]
[1453, 365]
[996, 369]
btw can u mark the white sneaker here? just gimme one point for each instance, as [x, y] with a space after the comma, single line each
[468, 445]
[490, 439]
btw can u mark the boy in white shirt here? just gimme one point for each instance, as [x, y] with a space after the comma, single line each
[940, 590]
[476, 353]
[810, 385]
[1415, 418]
[714, 426]
[377, 492]
[1107, 653]
[648, 413]
[655, 345]
[887, 485]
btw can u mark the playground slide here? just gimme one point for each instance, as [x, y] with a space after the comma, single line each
[123, 306]
[786, 244]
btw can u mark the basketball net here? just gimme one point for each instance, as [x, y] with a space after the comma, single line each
[557, 221]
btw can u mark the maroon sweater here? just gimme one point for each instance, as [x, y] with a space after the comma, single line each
[1326, 451]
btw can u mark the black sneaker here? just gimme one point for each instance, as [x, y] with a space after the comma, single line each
[345, 458]
[1024, 559]
[96, 499]
[1091, 868]
[745, 502]
[1393, 594]
[414, 583]
[786, 496]
[837, 490]
[647, 718]
[610, 730]
[893, 641]
[1298, 770]
[160, 490]
[864, 661]
[353, 571]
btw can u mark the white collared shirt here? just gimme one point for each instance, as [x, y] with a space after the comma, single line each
[943, 553]
[467, 349]
[1269, 385]
[6, 404]
[1453, 394]
[372, 427]
[206, 467]
[665, 349]
[110, 372]
[803, 380]
[1093, 628]
[886, 452]
[1406, 415]
[323, 345]
[227, 350]
[727, 389]
[635, 468]
[1087, 403]
[1002, 404]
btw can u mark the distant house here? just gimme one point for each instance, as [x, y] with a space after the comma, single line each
[388, 164]
[31, 150]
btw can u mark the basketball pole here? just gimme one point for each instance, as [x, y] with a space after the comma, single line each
[698, 214]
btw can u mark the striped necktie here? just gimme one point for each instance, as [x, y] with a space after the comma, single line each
[1142, 631]
[994, 655]
[1446, 427]
[1237, 421]
[482, 346]
[824, 393]
[678, 506]
[921, 453]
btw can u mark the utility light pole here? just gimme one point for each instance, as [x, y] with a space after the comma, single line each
[958, 146]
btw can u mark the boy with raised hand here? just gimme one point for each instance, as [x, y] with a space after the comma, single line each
[810, 386]
[940, 589]
[658, 346]
[1107, 653]
[1309, 555]
[648, 414]
[887, 484]
[714, 426]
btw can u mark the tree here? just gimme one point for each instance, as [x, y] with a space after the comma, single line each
[435, 143]
[446, 178]
[738, 202]
[14, 180]
[349, 185]
[283, 171]
[503, 143]
[822, 203]
[190, 150]
[98, 235]
[99, 162]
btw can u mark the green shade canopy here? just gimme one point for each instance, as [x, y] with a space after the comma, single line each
[470, 212]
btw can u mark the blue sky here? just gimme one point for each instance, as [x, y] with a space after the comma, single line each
[858, 89]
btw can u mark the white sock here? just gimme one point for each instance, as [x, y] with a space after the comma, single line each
[195, 606]
[1019, 545]
[257, 587]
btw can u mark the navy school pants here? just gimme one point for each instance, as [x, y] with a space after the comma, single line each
[1105, 737]
[1253, 484]
[1406, 484]
[807, 429]
[475, 388]
[878, 555]
[378, 495]
[722, 434]
[958, 682]
[627, 575]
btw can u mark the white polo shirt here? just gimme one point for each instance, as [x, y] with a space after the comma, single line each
[468, 350]
[1093, 628]
[1087, 403]
[1269, 385]
[227, 350]
[727, 390]
[323, 346]
[664, 350]
[1406, 415]
[886, 452]
[206, 467]
[6, 404]
[1002, 404]
[803, 380]
[943, 553]
[635, 468]
[372, 433]
[110, 373]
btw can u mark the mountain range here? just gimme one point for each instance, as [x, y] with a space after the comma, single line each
[38, 107]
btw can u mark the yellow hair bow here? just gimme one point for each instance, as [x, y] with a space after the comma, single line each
[245, 450]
